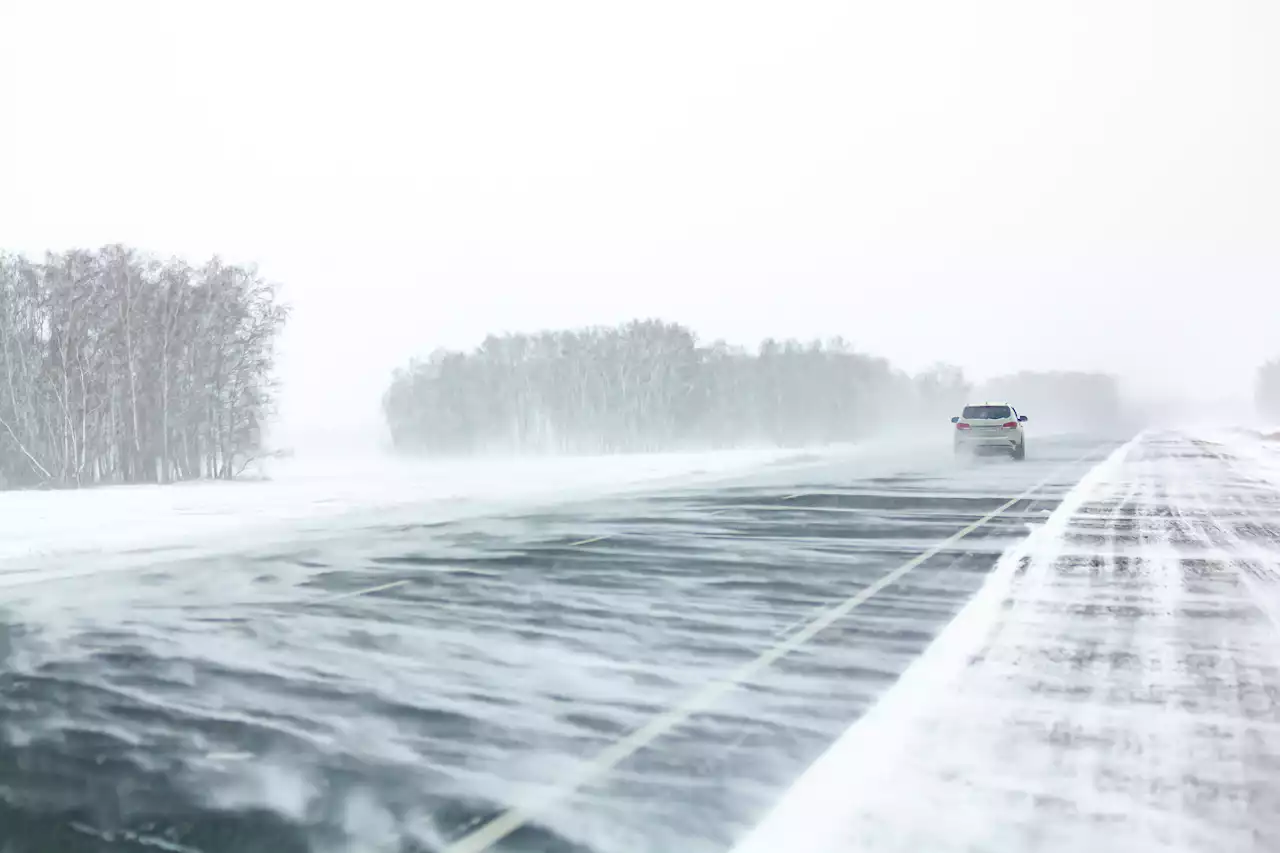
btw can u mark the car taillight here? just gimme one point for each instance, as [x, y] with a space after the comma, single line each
[962, 426]
[1011, 425]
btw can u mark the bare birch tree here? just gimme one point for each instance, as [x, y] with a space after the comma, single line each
[120, 368]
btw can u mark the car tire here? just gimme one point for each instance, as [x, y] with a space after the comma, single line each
[1020, 452]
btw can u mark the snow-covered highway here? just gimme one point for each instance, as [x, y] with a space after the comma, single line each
[1091, 665]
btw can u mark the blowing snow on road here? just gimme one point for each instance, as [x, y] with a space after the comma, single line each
[579, 427]
[1091, 664]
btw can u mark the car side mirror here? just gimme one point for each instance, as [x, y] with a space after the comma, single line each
[1022, 418]
[955, 420]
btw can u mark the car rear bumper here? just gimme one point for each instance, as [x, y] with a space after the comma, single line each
[1006, 442]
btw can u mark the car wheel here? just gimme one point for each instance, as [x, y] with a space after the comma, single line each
[1020, 452]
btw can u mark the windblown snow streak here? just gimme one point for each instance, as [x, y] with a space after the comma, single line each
[258, 702]
[1112, 688]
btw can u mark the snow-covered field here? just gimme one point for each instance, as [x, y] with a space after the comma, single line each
[310, 493]
[1113, 686]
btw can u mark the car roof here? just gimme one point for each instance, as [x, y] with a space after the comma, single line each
[989, 403]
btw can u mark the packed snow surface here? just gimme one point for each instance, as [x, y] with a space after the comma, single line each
[1112, 688]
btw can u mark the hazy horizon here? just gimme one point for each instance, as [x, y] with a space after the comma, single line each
[1085, 187]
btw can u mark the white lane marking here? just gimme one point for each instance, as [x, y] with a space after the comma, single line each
[794, 624]
[512, 819]
[836, 509]
[592, 539]
[793, 496]
[356, 593]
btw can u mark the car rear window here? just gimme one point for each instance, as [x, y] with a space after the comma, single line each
[989, 413]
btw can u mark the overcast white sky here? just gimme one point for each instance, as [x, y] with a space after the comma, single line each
[1002, 185]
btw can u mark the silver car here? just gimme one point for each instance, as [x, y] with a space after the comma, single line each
[992, 426]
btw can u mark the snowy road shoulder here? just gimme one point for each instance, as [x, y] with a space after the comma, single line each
[1112, 688]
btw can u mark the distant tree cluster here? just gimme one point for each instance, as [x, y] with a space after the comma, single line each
[120, 368]
[1062, 399]
[1267, 391]
[649, 385]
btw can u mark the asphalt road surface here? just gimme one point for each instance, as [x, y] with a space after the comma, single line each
[394, 688]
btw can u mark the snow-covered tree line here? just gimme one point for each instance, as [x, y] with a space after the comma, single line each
[116, 367]
[1267, 390]
[650, 385]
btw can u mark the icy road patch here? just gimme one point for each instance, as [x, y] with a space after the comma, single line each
[1113, 686]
